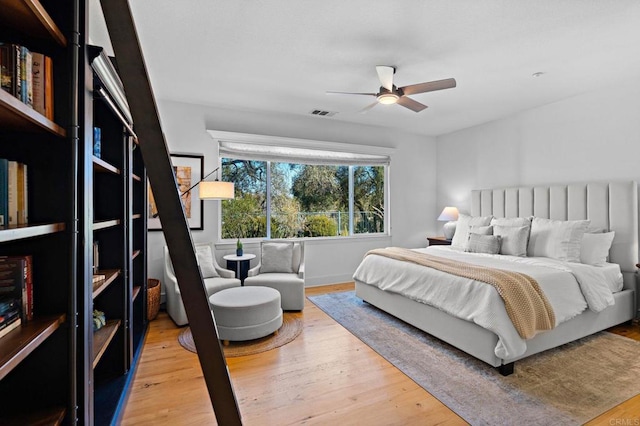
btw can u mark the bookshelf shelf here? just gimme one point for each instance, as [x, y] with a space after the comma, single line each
[19, 343]
[52, 416]
[136, 177]
[104, 224]
[135, 254]
[102, 285]
[102, 338]
[102, 166]
[135, 293]
[17, 116]
[18, 232]
[136, 216]
[30, 17]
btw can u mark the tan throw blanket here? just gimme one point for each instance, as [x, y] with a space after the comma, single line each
[526, 304]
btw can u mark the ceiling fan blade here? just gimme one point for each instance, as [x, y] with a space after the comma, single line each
[411, 104]
[429, 86]
[368, 107]
[351, 93]
[385, 74]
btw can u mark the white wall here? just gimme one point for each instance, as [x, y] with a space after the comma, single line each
[592, 137]
[412, 181]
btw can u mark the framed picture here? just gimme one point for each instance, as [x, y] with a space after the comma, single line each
[188, 169]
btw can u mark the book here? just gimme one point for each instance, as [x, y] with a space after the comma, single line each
[26, 304]
[26, 77]
[48, 88]
[4, 197]
[8, 305]
[22, 194]
[13, 282]
[29, 278]
[12, 192]
[38, 80]
[98, 278]
[10, 68]
[9, 326]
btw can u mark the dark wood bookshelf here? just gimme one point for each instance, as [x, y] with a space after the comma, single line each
[19, 232]
[19, 343]
[100, 286]
[17, 116]
[49, 417]
[104, 224]
[102, 338]
[102, 166]
[136, 292]
[74, 199]
[30, 17]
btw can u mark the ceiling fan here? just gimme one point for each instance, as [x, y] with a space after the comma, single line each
[390, 94]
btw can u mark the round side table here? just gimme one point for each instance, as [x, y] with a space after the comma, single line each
[240, 264]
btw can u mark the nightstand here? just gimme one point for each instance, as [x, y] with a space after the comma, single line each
[438, 241]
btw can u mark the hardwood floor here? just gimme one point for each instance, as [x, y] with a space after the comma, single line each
[325, 376]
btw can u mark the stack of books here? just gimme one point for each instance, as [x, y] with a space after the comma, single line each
[13, 193]
[28, 76]
[16, 292]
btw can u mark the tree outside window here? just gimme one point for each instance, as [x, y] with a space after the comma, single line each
[303, 200]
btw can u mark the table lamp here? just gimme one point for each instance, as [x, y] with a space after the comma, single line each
[449, 215]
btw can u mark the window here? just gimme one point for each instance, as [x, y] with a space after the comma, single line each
[276, 198]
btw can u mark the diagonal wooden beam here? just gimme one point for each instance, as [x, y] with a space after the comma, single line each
[174, 223]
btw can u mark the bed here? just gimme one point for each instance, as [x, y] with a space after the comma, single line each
[609, 206]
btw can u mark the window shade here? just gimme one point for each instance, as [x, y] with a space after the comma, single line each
[288, 154]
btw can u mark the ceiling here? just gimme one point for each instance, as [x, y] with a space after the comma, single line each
[283, 55]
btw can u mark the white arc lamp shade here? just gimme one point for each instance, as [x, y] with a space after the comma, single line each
[216, 190]
[450, 215]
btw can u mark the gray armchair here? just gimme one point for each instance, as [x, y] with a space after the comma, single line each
[215, 277]
[281, 267]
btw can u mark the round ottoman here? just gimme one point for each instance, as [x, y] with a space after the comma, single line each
[246, 313]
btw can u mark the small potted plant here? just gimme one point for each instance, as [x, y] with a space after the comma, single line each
[238, 248]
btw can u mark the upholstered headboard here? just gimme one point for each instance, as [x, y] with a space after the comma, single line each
[612, 206]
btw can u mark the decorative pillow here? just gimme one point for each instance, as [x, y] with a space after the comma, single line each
[511, 221]
[557, 239]
[514, 239]
[277, 257]
[478, 243]
[595, 248]
[482, 230]
[205, 261]
[461, 236]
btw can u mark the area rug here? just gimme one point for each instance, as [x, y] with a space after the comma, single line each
[567, 385]
[291, 328]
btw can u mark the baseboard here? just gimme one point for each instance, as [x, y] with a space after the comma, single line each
[327, 280]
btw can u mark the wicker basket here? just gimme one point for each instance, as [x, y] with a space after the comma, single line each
[153, 298]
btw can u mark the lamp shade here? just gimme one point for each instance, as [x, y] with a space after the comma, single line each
[448, 214]
[216, 190]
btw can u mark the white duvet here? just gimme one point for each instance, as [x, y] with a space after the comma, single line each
[570, 288]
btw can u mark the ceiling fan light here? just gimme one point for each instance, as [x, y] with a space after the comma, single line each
[388, 98]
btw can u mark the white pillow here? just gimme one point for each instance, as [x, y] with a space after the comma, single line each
[595, 248]
[514, 239]
[277, 257]
[511, 221]
[557, 239]
[482, 230]
[479, 243]
[461, 236]
[205, 261]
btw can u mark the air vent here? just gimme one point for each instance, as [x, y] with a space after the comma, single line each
[323, 113]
